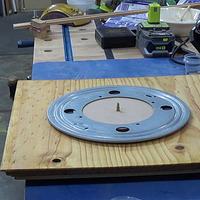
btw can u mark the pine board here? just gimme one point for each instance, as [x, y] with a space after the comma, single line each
[32, 143]
[84, 46]
[50, 50]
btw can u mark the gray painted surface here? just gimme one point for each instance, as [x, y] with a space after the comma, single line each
[17, 62]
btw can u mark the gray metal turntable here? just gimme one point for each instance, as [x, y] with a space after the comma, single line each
[118, 114]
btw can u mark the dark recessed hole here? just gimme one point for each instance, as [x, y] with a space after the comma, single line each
[80, 117]
[152, 102]
[154, 96]
[138, 124]
[114, 92]
[82, 29]
[48, 39]
[47, 50]
[179, 147]
[100, 96]
[148, 95]
[84, 38]
[56, 160]
[166, 107]
[69, 111]
[122, 129]
[86, 128]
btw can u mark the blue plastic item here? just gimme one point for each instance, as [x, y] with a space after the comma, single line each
[25, 43]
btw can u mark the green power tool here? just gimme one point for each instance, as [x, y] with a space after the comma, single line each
[154, 38]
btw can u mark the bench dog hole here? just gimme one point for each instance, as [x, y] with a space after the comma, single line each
[56, 160]
[47, 50]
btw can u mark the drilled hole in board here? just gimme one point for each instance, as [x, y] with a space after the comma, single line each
[179, 147]
[114, 92]
[138, 124]
[122, 129]
[84, 38]
[166, 107]
[56, 160]
[47, 50]
[69, 111]
[48, 39]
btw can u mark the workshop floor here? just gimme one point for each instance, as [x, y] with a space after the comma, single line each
[13, 62]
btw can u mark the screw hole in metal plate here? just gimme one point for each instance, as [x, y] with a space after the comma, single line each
[165, 107]
[84, 38]
[114, 92]
[122, 129]
[69, 111]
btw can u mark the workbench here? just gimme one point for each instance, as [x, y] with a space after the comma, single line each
[77, 56]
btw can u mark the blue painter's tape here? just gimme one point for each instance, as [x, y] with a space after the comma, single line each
[67, 44]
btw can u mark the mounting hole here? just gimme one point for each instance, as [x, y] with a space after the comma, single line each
[166, 107]
[84, 38]
[137, 124]
[147, 95]
[47, 50]
[152, 102]
[56, 160]
[122, 129]
[179, 147]
[86, 128]
[80, 117]
[48, 39]
[100, 96]
[114, 92]
[69, 111]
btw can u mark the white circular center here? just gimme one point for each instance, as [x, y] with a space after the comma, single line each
[118, 110]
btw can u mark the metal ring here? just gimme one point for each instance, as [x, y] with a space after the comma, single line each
[169, 115]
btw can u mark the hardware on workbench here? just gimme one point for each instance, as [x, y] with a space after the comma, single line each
[154, 38]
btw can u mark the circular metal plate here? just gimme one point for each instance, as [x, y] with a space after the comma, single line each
[169, 114]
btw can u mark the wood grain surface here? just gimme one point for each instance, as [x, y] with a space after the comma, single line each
[84, 46]
[51, 49]
[34, 148]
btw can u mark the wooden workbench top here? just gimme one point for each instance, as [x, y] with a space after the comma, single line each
[84, 46]
[34, 149]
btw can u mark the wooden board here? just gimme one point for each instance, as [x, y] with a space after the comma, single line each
[50, 50]
[84, 46]
[32, 144]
